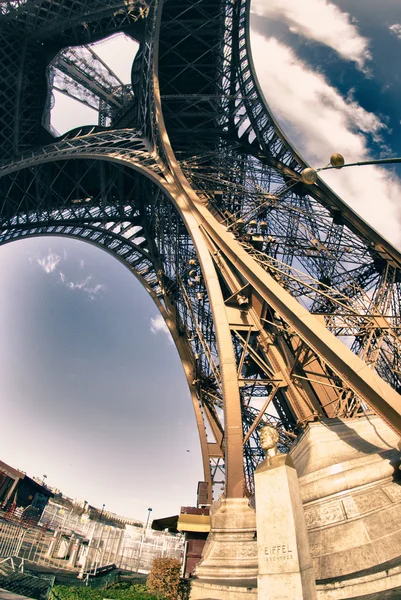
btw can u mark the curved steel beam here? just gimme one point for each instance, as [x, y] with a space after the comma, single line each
[233, 434]
[361, 379]
[233, 418]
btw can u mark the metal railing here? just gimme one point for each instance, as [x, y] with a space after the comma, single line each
[84, 547]
[13, 563]
[11, 538]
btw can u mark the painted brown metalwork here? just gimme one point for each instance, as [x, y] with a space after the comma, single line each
[283, 303]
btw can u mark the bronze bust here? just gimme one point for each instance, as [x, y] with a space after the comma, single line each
[268, 439]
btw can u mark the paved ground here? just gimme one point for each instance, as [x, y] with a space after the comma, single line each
[4, 595]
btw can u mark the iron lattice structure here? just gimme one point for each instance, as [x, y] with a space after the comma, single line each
[276, 294]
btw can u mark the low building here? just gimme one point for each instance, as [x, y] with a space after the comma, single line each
[9, 478]
[17, 489]
[194, 523]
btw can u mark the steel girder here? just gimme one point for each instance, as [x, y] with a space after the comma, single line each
[82, 75]
[32, 35]
[275, 294]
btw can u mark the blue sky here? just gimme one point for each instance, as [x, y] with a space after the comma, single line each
[93, 391]
[329, 71]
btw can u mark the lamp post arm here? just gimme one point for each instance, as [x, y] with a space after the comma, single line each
[380, 161]
[309, 175]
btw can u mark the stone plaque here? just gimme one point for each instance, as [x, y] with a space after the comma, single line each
[371, 500]
[325, 514]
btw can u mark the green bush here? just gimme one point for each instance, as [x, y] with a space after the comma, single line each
[164, 578]
[118, 591]
[184, 591]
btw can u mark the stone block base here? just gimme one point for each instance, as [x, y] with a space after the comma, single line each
[223, 590]
[369, 584]
[351, 490]
[229, 564]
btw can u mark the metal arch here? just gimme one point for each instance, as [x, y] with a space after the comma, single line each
[379, 252]
[233, 432]
[90, 147]
[133, 160]
[86, 234]
[122, 145]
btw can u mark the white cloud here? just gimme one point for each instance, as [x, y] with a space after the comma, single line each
[320, 122]
[49, 262]
[84, 285]
[158, 325]
[396, 29]
[321, 21]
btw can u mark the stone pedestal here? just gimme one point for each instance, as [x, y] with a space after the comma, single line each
[351, 491]
[228, 568]
[285, 563]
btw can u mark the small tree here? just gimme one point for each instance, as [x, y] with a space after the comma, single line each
[164, 577]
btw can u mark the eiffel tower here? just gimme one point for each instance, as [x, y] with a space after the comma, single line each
[283, 303]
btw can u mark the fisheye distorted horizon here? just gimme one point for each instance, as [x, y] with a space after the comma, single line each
[93, 390]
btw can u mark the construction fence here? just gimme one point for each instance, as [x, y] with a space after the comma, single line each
[65, 541]
[11, 538]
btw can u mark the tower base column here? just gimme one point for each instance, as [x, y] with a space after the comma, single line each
[229, 565]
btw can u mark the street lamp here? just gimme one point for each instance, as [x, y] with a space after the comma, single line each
[101, 512]
[147, 520]
[337, 161]
[143, 536]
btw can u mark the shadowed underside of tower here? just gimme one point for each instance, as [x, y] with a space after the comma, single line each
[283, 303]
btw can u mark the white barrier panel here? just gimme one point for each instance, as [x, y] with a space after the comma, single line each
[11, 537]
